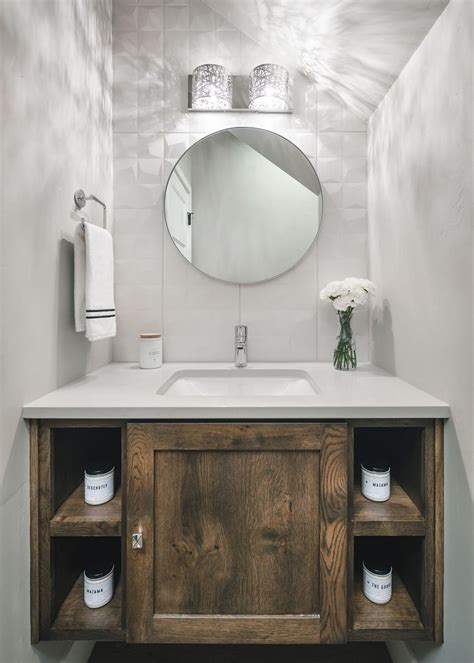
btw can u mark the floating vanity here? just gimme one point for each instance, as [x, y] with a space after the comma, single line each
[238, 515]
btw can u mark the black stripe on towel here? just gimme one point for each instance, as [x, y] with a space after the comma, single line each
[99, 310]
[96, 317]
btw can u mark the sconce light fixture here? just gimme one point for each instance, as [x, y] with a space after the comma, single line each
[211, 88]
[268, 88]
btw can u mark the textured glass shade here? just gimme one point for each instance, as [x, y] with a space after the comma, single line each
[268, 88]
[212, 88]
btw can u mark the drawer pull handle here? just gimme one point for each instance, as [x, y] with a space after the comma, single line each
[137, 541]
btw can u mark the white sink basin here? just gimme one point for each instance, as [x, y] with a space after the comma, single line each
[239, 382]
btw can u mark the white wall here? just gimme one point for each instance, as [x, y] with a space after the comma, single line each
[56, 136]
[420, 234]
[155, 48]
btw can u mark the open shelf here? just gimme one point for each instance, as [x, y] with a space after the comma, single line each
[76, 518]
[76, 621]
[398, 619]
[398, 516]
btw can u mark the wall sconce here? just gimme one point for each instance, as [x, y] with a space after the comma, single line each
[211, 88]
[268, 88]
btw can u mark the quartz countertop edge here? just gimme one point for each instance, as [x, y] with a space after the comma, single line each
[122, 391]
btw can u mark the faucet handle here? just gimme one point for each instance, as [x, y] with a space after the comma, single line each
[240, 333]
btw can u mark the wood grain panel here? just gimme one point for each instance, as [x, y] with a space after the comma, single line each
[34, 534]
[45, 489]
[236, 629]
[333, 528]
[439, 531]
[237, 532]
[399, 516]
[139, 519]
[76, 518]
[233, 436]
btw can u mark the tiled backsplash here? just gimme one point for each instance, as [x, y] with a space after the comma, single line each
[155, 47]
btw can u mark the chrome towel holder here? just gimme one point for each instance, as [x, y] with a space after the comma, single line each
[80, 200]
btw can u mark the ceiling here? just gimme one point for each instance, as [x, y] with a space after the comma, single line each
[353, 48]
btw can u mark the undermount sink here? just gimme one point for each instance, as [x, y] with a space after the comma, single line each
[239, 382]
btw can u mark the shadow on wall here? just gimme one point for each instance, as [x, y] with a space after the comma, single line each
[72, 347]
[382, 337]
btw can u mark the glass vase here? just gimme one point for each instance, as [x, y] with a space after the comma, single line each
[345, 357]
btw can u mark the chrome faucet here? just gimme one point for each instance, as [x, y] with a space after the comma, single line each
[241, 346]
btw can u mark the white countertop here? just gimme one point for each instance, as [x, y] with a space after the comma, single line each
[124, 391]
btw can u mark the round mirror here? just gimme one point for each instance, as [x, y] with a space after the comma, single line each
[243, 205]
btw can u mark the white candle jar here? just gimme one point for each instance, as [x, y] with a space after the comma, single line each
[375, 480]
[98, 584]
[98, 483]
[377, 581]
[151, 351]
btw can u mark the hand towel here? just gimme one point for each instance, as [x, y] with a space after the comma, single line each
[94, 306]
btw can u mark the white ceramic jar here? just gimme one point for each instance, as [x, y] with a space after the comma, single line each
[98, 482]
[375, 480]
[377, 581]
[151, 350]
[98, 584]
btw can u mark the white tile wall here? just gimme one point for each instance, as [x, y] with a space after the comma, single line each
[155, 46]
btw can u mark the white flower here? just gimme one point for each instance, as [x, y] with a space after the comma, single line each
[349, 293]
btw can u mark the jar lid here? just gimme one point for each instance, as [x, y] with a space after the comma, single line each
[150, 335]
[375, 464]
[100, 569]
[95, 467]
[379, 566]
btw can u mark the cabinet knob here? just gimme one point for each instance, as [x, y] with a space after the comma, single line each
[137, 541]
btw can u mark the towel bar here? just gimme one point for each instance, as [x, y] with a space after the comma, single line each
[80, 200]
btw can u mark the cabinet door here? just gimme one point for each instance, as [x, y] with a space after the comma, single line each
[243, 533]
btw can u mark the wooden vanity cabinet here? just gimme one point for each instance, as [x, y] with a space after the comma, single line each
[236, 532]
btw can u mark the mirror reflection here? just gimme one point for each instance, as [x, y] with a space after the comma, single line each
[243, 205]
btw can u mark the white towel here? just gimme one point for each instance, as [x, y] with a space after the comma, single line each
[94, 306]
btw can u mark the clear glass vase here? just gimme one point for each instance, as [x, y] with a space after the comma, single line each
[345, 357]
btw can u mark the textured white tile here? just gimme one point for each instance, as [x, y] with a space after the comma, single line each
[332, 195]
[330, 117]
[353, 122]
[329, 170]
[355, 170]
[150, 18]
[150, 43]
[330, 144]
[150, 107]
[150, 145]
[355, 195]
[125, 69]
[201, 17]
[124, 16]
[149, 171]
[281, 315]
[176, 17]
[199, 312]
[227, 43]
[125, 145]
[175, 144]
[202, 48]
[125, 43]
[355, 145]
[125, 107]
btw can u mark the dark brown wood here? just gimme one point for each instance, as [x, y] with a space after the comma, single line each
[234, 527]
[139, 567]
[350, 524]
[45, 488]
[75, 621]
[34, 534]
[397, 620]
[232, 436]
[428, 568]
[333, 534]
[237, 533]
[355, 652]
[76, 518]
[438, 616]
[399, 516]
[236, 629]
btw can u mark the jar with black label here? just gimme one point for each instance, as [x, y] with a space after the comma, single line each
[98, 584]
[375, 479]
[98, 482]
[377, 580]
